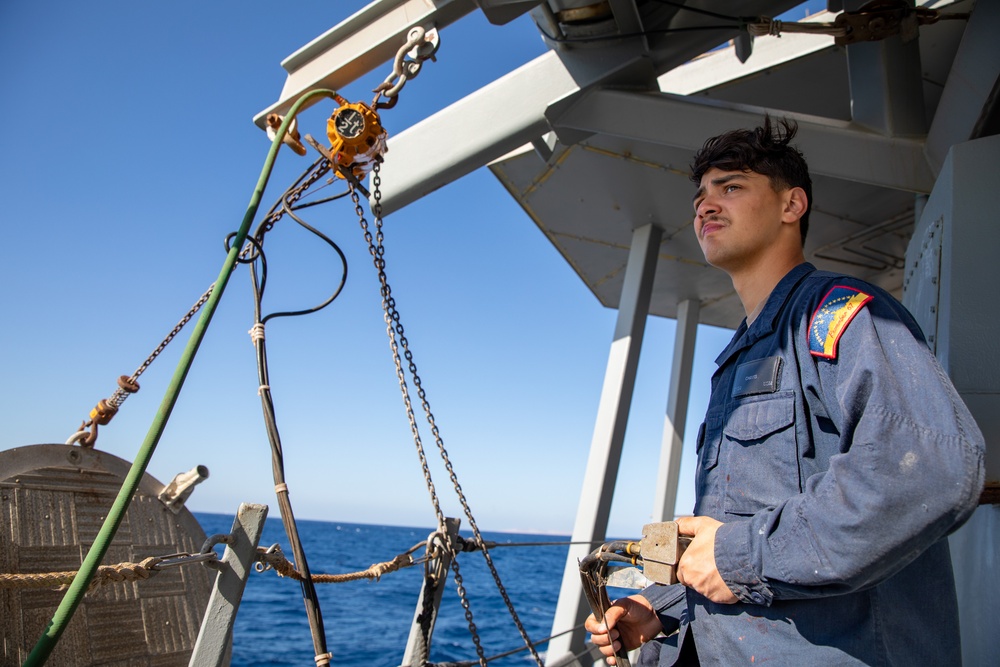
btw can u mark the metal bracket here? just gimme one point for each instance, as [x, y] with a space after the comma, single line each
[176, 493]
[418, 644]
[213, 644]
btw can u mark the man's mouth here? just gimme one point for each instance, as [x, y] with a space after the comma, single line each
[710, 226]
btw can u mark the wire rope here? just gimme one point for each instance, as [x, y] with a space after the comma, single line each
[257, 259]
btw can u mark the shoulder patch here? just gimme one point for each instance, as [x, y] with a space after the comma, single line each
[831, 318]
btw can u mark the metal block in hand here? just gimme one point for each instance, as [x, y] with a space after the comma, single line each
[661, 549]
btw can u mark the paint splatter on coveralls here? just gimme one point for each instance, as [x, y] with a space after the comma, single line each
[837, 484]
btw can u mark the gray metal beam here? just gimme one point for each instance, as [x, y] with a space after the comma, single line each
[833, 147]
[359, 44]
[489, 123]
[971, 88]
[677, 404]
[887, 88]
[513, 110]
[215, 636]
[477, 129]
[606, 446]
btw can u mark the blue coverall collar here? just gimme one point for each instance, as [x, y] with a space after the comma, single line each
[767, 320]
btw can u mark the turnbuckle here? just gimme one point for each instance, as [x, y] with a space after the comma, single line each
[183, 558]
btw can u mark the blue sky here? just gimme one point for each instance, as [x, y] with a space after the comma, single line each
[130, 154]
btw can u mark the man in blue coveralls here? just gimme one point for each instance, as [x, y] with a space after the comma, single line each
[834, 459]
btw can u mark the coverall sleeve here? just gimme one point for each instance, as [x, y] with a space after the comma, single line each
[669, 603]
[908, 471]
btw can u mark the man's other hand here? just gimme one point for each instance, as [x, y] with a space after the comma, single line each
[630, 621]
[696, 568]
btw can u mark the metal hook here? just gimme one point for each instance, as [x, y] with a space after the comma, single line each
[211, 542]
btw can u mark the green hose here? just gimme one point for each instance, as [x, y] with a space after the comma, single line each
[71, 600]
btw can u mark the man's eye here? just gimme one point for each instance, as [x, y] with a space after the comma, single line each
[730, 188]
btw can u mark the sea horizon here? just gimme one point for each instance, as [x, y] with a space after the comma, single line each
[271, 626]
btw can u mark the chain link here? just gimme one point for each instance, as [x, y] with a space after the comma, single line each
[289, 200]
[127, 385]
[468, 614]
[394, 329]
[121, 394]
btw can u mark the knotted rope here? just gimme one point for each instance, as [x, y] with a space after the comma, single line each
[276, 560]
[105, 574]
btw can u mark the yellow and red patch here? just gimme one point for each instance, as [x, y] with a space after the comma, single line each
[831, 318]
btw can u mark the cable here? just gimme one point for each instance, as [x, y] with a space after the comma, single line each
[645, 33]
[699, 10]
[473, 663]
[257, 259]
[472, 545]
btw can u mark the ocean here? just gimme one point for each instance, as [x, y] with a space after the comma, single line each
[367, 622]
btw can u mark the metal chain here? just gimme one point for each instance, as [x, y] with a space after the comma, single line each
[421, 45]
[289, 200]
[395, 328]
[129, 385]
[377, 252]
[468, 615]
[121, 394]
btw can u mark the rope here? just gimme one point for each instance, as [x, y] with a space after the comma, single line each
[285, 568]
[106, 574]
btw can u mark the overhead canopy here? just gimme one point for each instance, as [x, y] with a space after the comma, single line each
[605, 124]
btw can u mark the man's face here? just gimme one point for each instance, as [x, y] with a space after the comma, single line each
[737, 217]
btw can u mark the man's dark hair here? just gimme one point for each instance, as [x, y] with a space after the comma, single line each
[765, 150]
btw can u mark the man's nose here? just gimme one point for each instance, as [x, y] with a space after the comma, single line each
[706, 207]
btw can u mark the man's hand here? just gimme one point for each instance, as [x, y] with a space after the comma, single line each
[696, 568]
[630, 620]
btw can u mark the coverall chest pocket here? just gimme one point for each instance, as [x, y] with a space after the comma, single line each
[759, 453]
[709, 437]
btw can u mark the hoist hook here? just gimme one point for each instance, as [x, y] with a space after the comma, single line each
[103, 413]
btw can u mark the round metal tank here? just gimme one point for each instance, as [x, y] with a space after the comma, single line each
[53, 500]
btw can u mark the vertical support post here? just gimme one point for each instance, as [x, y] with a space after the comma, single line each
[213, 644]
[606, 446]
[418, 644]
[887, 90]
[677, 405]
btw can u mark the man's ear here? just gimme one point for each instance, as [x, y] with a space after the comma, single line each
[796, 204]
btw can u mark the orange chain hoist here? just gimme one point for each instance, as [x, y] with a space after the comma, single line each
[357, 137]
